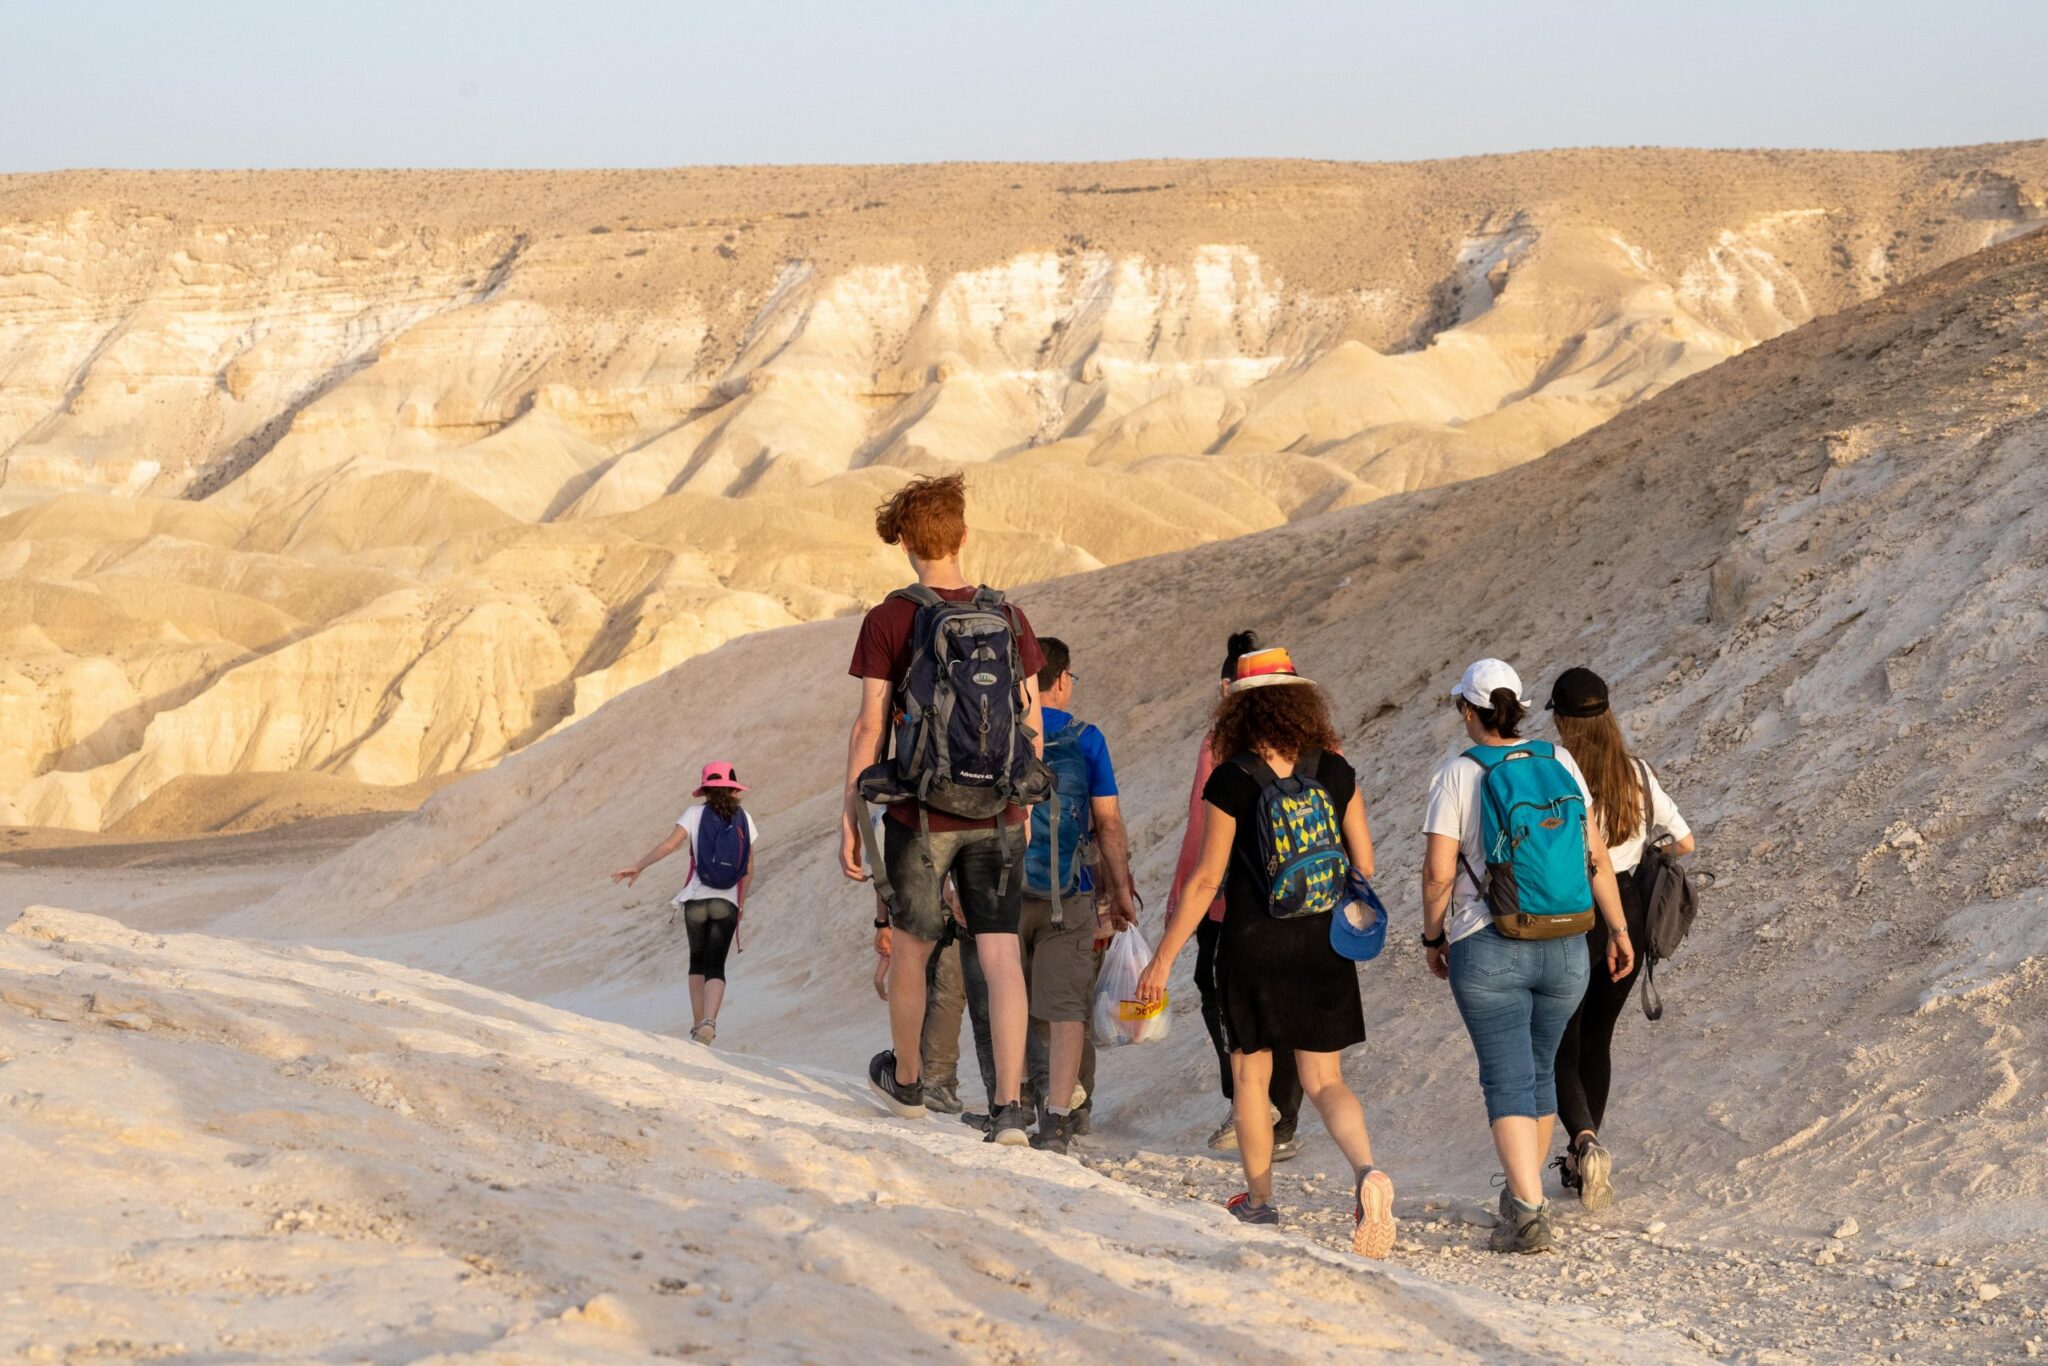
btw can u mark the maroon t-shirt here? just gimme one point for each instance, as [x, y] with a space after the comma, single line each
[883, 651]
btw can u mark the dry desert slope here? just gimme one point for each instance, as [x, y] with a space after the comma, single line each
[1816, 575]
[324, 487]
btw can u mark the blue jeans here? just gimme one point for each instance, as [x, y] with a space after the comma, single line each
[1516, 997]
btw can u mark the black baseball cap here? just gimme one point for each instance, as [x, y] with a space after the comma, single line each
[1578, 693]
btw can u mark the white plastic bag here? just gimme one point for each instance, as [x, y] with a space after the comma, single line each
[1119, 1018]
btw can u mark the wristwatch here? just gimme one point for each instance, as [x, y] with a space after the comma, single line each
[1437, 942]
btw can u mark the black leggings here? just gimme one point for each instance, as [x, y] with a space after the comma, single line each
[1583, 1065]
[710, 924]
[1284, 1090]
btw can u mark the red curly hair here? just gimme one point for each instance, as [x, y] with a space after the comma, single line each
[928, 517]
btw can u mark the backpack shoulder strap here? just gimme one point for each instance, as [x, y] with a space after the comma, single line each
[1261, 771]
[1309, 764]
[1484, 766]
[920, 595]
[984, 596]
[1643, 785]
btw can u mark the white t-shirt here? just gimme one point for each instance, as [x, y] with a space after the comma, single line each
[1664, 820]
[1454, 811]
[694, 890]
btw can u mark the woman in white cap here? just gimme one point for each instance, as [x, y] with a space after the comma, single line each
[720, 837]
[1283, 985]
[1505, 924]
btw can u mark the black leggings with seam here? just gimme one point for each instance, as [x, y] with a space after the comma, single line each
[1584, 1055]
[710, 924]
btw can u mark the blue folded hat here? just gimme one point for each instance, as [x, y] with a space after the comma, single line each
[1358, 929]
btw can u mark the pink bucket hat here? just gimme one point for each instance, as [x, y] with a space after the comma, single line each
[719, 775]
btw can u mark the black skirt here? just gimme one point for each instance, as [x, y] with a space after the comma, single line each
[1283, 985]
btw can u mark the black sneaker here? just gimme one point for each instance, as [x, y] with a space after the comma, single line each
[1286, 1147]
[1054, 1133]
[1084, 1119]
[975, 1120]
[1010, 1126]
[905, 1102]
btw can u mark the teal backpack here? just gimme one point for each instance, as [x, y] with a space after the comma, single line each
[1060, 847]
[1532, 826]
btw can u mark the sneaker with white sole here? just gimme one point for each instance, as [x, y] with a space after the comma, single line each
[1596, 1175]
[1224, 1140]
[905, 1102]
[1010, 1126]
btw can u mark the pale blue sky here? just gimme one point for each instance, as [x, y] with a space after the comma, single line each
[237, 83]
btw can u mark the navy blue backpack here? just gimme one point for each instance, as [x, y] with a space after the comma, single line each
[721, 850]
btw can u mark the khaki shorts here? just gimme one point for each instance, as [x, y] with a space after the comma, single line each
[1059, 963]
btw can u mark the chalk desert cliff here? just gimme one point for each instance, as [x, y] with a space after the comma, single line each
[322, 488]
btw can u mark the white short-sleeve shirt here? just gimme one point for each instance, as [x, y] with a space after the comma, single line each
[1664, 821]
[694, 890]
[1454, 811]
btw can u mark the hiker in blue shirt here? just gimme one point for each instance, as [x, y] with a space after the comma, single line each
[1077, 845]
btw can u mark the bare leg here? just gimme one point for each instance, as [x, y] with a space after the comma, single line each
[1521, 1143]
[1002, 963]
[907, 958]
[714, 997]
[1322, 1081]
[1067, 1038]
[1250, 1074]
[696, 998]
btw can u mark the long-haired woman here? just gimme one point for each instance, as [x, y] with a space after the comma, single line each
[1515, 995]
[1283, 986]
[1285, 1089]
[1624, 788]
[720, 836]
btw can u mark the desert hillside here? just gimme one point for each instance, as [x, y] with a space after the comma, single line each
[1816, 576]
[324, 487]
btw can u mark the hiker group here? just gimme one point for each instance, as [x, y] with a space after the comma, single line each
[986, 815]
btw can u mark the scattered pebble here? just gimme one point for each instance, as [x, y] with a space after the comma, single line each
[130, 1020]
[1988, 1291]
[1654, 1227]
[1848, 1228]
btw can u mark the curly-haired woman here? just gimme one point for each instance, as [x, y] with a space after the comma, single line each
[1283, 986]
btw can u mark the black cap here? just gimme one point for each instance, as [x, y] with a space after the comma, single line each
[1578, 693]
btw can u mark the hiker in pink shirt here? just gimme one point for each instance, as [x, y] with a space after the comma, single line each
[1285, 1088]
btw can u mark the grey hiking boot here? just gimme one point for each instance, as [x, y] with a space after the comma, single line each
[1224, 1140]
[1522, 1228]
[1084, 1118]
[942, 1098]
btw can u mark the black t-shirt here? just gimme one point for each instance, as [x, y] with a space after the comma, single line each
[1232, 790]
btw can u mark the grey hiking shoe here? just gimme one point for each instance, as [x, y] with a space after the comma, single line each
[942, 1099]
[1522, 1228]
[1224, 1140]
[1084, 1118]
[1286, 1147]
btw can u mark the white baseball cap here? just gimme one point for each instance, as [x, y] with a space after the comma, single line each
[1482, 676]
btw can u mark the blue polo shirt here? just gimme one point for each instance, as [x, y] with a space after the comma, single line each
[1101, 773]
